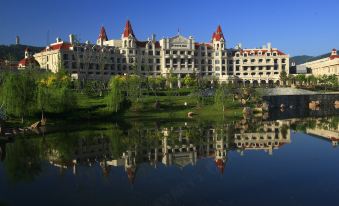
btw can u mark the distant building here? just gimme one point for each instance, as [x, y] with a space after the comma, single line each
[178, 56]
[328, 65]
[17, 40]
[28, 61]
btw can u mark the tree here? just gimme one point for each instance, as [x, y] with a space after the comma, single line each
[189, 81]
[311, 80]
[115, 96]
[220, 97]
[300, 78]
[283, 77]
[291, 79]
[19, 93]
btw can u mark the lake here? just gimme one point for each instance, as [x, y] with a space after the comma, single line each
[245, 162]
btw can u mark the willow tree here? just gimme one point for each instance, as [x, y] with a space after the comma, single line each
[115, 96]
[220, 97]
[19, 92]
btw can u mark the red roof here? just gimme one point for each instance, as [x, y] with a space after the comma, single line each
[334, 57]
[58, 46]
[218, 35]
[28, 61]
[220, 165]
[208, 45]
[103, 35]
[128, 29]
[131, 175]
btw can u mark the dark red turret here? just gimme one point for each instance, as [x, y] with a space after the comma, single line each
[218, 35]
[128, 29]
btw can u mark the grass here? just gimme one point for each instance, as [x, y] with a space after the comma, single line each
[172, 108]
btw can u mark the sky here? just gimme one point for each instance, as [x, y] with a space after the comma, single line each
[297, 27]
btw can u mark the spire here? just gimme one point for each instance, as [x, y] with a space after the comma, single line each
[128, 29]
[218, 35]
[102, 34]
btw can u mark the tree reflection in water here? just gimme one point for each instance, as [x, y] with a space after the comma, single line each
[178, 144]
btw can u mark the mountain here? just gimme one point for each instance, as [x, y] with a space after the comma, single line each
[300, 59]
[16, 52]
[305, 58]
[319, 57]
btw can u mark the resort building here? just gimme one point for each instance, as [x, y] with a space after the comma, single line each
[178, 56]
[328, 65]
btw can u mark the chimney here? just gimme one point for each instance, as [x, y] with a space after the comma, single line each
[153, 37]
[58, 40]
[72, 38]
[269, 46]
[17, 40]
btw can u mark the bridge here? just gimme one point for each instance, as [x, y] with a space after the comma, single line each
[303, 105]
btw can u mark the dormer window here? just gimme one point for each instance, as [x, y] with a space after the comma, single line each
[268, 54]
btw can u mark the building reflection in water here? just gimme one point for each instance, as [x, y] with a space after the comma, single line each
[177, 146]
[325, 129]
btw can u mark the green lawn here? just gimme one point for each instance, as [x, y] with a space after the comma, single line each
[171, 107]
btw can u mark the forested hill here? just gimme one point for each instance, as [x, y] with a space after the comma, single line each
[305, 58]
[16, 52]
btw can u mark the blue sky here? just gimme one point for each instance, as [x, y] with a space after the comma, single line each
[296, 27]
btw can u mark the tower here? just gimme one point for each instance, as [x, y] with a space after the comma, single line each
[218, 39]
[128, 37]
[102, 36]
[27, 53]
[334, 52]
[17, 40]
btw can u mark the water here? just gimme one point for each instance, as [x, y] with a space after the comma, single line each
[245, 162]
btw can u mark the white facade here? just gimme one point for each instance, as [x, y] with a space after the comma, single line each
[177, 56]
[328, 65]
